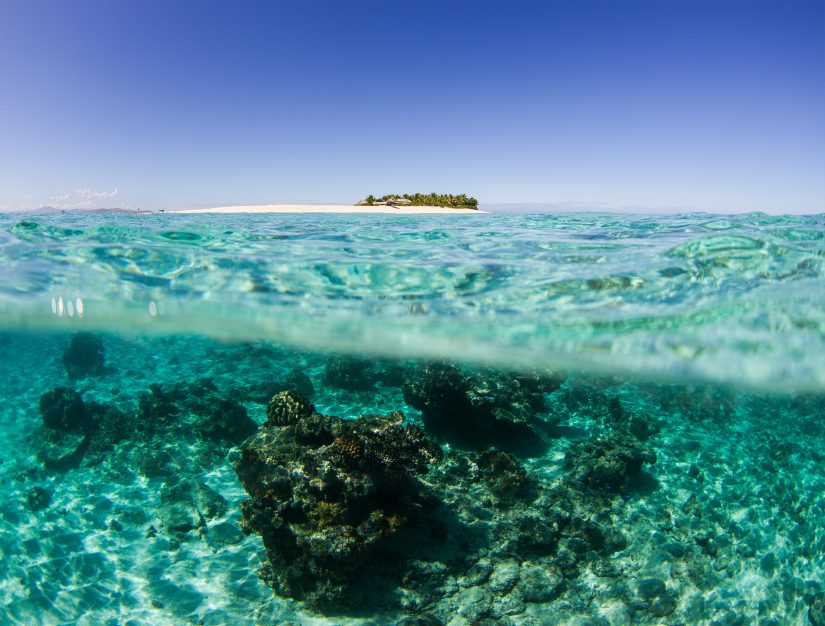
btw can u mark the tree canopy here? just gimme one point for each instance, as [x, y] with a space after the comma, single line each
[455, 201]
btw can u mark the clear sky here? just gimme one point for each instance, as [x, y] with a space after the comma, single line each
[673, 105]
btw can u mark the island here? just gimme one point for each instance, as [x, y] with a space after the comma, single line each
[447, 200]
[397, 204]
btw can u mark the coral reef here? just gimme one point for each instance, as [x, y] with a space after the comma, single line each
[519, 549]
[61, 451]
[365, 517]
[63, 409]
[84, 356]
[479, 408]
[196, 407]
[620, 417]
[288, 407]
[111, 426]
[326, 493]
[607, 462]
[295, 381]
[505, 476]
[73, 427]
[348, 372]
[346, 519]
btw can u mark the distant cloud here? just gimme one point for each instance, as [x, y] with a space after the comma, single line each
[82, 198]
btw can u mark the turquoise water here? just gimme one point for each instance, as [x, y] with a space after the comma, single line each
[607, 419]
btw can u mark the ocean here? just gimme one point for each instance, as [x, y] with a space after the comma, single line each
[585, 419]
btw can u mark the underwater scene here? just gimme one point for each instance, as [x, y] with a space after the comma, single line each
[533, 420]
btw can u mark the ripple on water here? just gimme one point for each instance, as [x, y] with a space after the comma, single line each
[490, 283]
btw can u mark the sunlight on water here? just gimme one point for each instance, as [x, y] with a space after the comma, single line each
[738, 300]
[239, 420]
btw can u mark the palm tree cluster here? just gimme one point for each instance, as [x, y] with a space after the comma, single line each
[459, 201]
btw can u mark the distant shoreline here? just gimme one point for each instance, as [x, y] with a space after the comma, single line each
[329, 208]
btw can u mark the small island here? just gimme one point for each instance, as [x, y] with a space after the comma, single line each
[447, 200]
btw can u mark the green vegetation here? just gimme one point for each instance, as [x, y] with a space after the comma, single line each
[460, 201]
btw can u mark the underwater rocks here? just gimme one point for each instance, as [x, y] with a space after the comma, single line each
[195, 407]
[517, 551]
[38, 498]
[61, 451]
[63, 409]
[481, 408]
[347, 372]
[607, 463]
[84, 356]
[352, 373]
[816, 610]
[343, 511]
[506, 477]
[621, 418]
[698, 403]
[189, 504]
[111, 426]
[73, 427]
[295, 381]
[325, 494]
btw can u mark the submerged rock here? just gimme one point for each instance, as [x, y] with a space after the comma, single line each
[348, 372]
[38, 498]
[816, 610]
[295, 381]
[326, 493]
[421, 620]
[506, 477]
[62, 451]
[194, 407]
[504, 576]
[84, 356]
[649, 588]
[480, 408]
[111, 426]
[621, 418]
[607, 463]
[63, 409]
[539, 583]
[73, 428]
[189, 504]
[473, 605]
[353, 373]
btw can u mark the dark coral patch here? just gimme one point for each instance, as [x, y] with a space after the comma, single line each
[326, 498]
[84, 356]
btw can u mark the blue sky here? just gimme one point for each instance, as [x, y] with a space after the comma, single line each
[678, 105]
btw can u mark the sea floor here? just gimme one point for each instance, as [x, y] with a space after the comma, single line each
[726, 527]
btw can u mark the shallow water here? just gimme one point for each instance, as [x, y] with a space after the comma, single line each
[736, 299]
[652, 390]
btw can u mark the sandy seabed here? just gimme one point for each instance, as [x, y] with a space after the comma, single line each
[725, 528]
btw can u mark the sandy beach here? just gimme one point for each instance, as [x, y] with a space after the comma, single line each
[330, 208]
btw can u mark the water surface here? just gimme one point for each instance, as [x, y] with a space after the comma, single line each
[686, 350]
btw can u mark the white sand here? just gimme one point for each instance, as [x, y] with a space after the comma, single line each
[330, 208]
